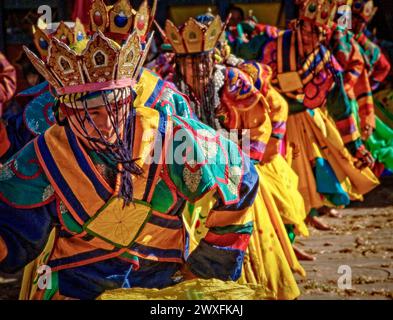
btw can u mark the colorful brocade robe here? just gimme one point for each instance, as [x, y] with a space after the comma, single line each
[67, 187]
[348, 53]
[319, 80]
[248, 101]
[378, 66]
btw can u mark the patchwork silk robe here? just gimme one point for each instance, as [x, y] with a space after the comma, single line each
[66, 187]
[357, 77]
[321, 125]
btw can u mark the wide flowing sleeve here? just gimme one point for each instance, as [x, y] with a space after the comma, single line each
[27, 209]
[23, 234]
[203, 162]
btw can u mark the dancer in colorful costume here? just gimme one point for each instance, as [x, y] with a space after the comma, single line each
[108, 179]
[330, 158]
[37, 116]
[150, 91]
[239, 99]
[377, 67]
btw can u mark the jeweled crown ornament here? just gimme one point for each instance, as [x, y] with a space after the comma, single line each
[364, 9]
[120, 19]
[193, 36]
[102, 64]
[319, 12]
[68, 32]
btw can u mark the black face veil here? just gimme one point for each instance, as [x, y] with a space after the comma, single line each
[198, 67]
[118, 147]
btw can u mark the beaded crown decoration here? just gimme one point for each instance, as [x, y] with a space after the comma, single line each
[365, 9]
[320, 12]
[102, 65]
[121, 19]
[67, 32]
[100, 62]
[193, 36]
[116, 21]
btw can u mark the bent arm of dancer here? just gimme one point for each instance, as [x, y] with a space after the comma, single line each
[378, 64]
[7, 81]
[23, 234]
[350, 58]
[364, 97]
[340, 109]
[380, 71]
[220, 254]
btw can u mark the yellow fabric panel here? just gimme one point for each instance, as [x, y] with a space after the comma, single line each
[311, 137]
[198, 289]
[282, 183]
[145, 87]
[269, 259]
[30, 275]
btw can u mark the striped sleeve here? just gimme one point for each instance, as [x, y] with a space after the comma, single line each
[220, 254]
[340, 109]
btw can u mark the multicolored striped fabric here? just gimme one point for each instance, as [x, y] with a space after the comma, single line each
[68, 190]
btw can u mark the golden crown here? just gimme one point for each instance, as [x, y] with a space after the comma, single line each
[116, 21]
[67, 32]
[194, 37]
[320, 12]
[365, 9]
[121, 19]
[102, 64]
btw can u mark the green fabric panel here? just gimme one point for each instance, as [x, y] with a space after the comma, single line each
[208, 163]
[70, 223]
[314, 213]
[50, 292]
[162, 198]
[170, 102]
[291, 232]
[247, 228]
[29, 177]
[380, 144]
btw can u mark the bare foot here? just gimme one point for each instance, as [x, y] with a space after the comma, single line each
[302, 255]
[334, 213]
[317, 223]
[329, 211]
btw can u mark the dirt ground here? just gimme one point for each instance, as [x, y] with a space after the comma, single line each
[362, 240]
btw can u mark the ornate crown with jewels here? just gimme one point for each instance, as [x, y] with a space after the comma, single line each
[116, 22]
[320, 12]
[193, 36]
[365, 9]
[67, 32]
[120, 19]
[102, 65]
